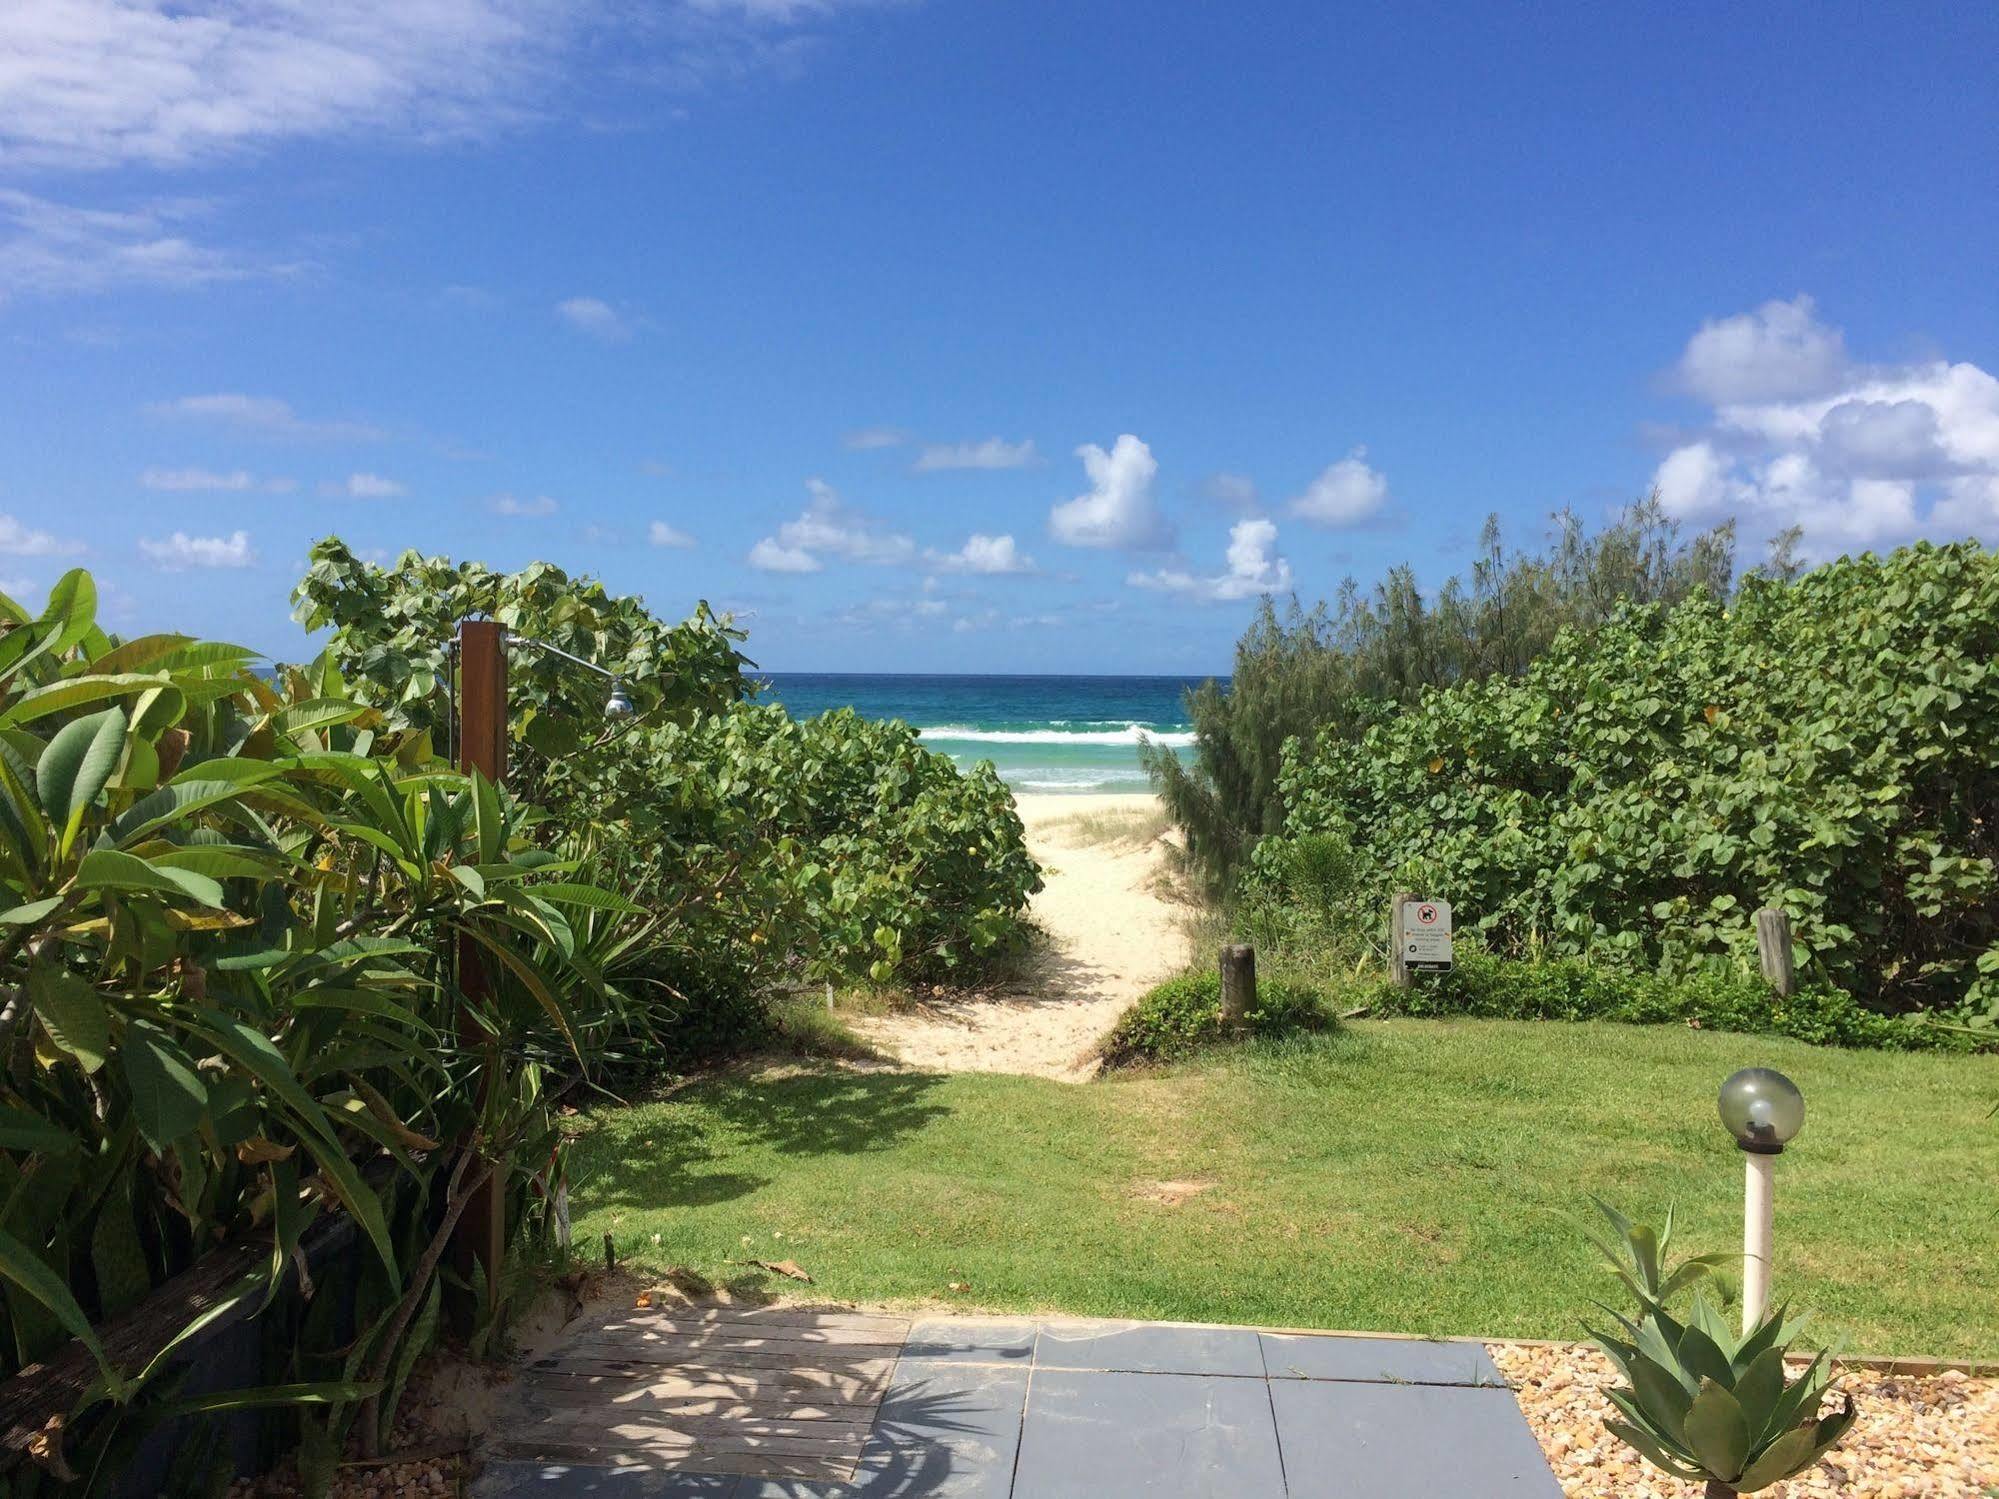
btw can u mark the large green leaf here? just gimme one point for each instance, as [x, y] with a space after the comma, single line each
[168, 1096]
[142, 654]
[186, 794]
[109, 869]
[26, 1269]
[75, 767]
[253, 1051]
[23, 1130]
[1716, 1431]
[74, 692]
[71, 1013]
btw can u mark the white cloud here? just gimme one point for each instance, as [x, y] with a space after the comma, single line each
[597, 318]
[992, 555]
[1778, 352]
[262, 414]
[770, 556]
[1253, 568]
[993, 453]
[1346, 493]
[17, 540]
[521, 508]
[1118, 511]
[660, 534]
[181, 551]
[195, 479]
[1883, 455]
[868, 439]
[48, 247]
[829, 528]
[362, 487]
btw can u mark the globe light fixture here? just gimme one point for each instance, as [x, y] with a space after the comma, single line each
[1764, 1111]
[620, 703]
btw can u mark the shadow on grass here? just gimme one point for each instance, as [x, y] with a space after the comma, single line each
[666, 1156]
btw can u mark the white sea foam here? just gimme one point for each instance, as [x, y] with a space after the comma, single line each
[1131, 733]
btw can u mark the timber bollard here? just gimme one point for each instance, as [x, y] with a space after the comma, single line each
[1238, 985]
[1773, 946]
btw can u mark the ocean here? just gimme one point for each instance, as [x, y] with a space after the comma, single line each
[1043, 734]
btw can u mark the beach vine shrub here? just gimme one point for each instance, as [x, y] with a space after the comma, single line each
[1828, 746]
[766, 847]
[1334, 670]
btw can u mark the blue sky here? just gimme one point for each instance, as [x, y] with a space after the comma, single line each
[941, 335]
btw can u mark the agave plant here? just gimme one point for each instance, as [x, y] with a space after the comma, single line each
[1699, 1401]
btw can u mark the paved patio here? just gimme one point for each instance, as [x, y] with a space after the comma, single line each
[781, 1403]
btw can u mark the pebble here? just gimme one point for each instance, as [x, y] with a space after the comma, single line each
[1918, 1437]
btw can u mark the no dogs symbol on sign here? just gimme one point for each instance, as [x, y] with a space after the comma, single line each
[1425, 937]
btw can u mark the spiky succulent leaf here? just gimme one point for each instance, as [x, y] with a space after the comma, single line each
[1649, 1447]
[1700, 1357]
[1717, 1433]
[1702, 1314]
[1653, 1344]
[1661, 1396]
[1758, 1388]
[1800, 1400]
[1790, 1453]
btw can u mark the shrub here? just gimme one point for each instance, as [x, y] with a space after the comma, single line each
[764, 847]
[1484, 987]
[1184, 1014]
[239, 921]
[1828, 746]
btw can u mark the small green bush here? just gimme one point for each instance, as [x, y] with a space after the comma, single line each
[1488, 988]
[1185, 1013]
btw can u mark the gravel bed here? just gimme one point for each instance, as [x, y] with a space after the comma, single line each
[1934, 1436]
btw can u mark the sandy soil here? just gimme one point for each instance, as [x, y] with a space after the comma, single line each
[1111, 935]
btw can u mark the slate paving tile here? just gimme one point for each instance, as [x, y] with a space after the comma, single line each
[1406, 1441]
[970, 1340]
[1378, 1360]
[1148, 1349]
[945, 1428]
[1091, 1435]
[510, 1479]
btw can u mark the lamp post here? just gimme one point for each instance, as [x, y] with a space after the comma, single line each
[1763, 1110]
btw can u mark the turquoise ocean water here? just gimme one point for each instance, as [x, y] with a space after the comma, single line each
[1043, 734]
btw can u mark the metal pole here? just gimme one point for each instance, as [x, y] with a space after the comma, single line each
[1758, 1225]
[482, 746]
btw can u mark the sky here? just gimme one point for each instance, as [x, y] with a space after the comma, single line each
[938, 335]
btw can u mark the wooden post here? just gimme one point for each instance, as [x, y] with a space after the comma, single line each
[1398, 967]
[1773, 946]
[1238, 985]
[482, 746]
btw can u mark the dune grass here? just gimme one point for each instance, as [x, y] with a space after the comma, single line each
[1416, 1176]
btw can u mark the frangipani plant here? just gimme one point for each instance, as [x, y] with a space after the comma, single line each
[1699, 1401]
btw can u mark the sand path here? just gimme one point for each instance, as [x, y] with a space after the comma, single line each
[1110, 935]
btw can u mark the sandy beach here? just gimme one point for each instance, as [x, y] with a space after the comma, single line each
[1111, 932]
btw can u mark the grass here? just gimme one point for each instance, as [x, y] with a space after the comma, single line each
[1124, 827]
[1416, 1176]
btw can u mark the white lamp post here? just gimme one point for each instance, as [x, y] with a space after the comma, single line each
[1763, 1110]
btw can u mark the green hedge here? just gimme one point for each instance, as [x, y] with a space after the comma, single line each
[1184, 1014]
[1489, 988]
[1829, 747]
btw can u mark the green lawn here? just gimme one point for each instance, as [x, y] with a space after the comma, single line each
[1419, 1176]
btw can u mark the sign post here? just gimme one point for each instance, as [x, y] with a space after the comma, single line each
[1423, 935]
